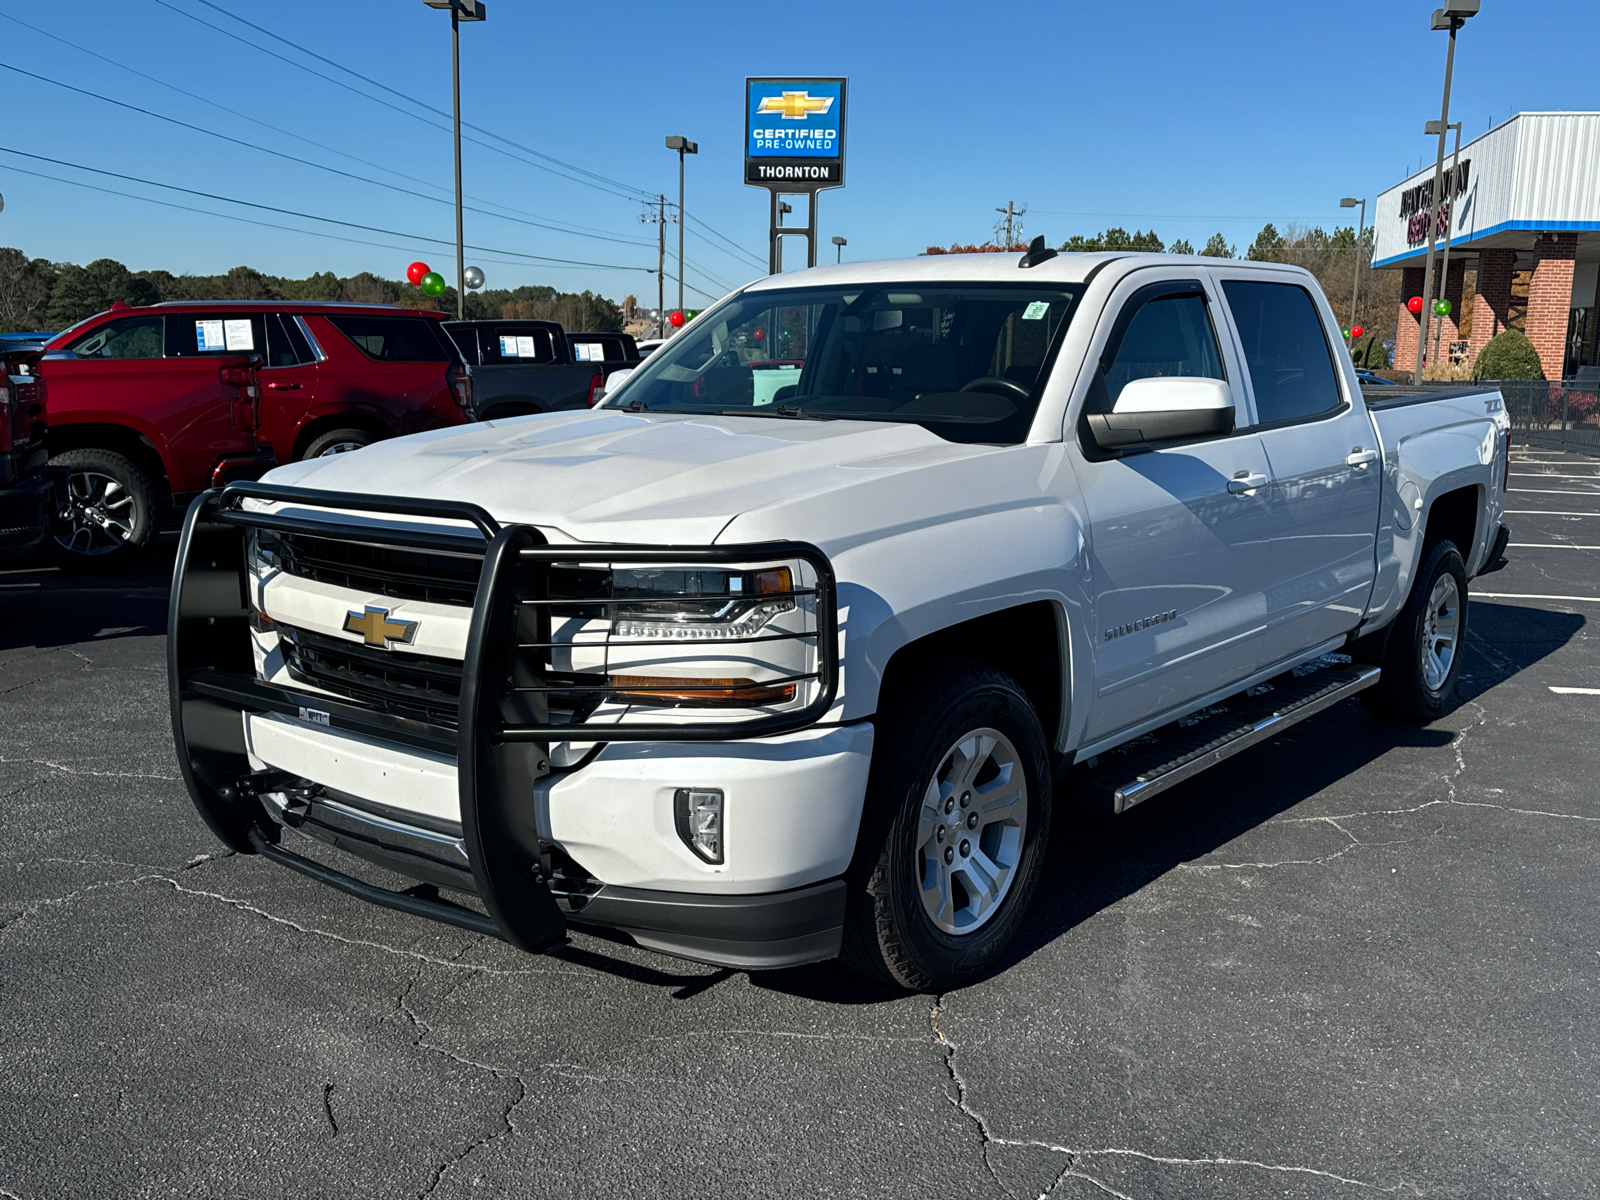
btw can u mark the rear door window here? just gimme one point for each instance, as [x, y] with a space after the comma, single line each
[219, 334]
[129, 337]
[1285, 349]
[397, 339]
[287, 345]
[510, 344]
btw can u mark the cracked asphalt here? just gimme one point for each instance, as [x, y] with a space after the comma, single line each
[1355, 960]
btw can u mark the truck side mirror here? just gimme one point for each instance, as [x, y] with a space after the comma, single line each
[1164, 409]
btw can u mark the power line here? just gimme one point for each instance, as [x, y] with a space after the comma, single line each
[558, 222]
[756, 258]
[309, 163]
[289, 212]
[595, 179]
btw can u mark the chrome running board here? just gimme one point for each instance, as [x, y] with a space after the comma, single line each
[1134, 773]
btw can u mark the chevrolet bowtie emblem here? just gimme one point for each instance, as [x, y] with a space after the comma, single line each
[795, 106]
[376, 629]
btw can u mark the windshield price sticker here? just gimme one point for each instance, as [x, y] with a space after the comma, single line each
[794, 131]
[1036, 311]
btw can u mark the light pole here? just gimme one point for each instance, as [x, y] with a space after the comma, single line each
[1355, 287]
[460, 10]
[1451, 17]
[1449, 228]
[841, 243]
[683, 146]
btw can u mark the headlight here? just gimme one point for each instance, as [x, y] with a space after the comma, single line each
[684, 637]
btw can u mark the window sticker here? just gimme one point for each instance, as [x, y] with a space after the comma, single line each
[508, 347]
[525, 347]
[238, 335]
[1036, 311]
[208, 335]
[580, 351]
[591, 352]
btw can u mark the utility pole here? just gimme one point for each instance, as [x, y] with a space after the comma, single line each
[661, 265]
[1013, 216]
[460, 10]
[1451, 17]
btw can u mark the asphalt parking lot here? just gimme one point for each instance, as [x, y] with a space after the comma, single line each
[1358, 959]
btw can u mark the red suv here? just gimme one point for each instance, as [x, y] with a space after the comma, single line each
[148, 406]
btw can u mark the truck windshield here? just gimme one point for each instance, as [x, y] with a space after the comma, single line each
[965, 361]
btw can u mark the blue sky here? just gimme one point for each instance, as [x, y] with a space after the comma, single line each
[1189, 118]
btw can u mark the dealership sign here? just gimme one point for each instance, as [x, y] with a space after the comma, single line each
[794, 133]
[1414, 203]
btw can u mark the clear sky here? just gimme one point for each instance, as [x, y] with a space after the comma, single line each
[1186, 117]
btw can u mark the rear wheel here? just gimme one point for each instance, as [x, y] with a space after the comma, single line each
[338, 441]
[954, 834]
[1422, 660]
[110, 514]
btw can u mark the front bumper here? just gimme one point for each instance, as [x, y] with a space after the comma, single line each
[257, 757]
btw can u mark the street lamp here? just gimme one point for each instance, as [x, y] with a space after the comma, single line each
[683, 146]
[1449, 228]
[460, 10]
[1451, 17]
[841, 243]
[1355, 288]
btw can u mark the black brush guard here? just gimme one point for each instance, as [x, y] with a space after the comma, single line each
[500, 754]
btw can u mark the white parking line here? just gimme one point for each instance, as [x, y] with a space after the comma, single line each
[1541, 512]
[1576, 691]
[1543, 475]
[1548, 546]
[1552, 492]
[1522, 596]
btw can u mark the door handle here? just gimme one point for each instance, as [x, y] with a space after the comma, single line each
[1360, 458]
[283, 387]
[1245, 483]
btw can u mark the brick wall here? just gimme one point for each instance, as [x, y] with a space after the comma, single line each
[1408, 324]
[1550, 298]
[1491, 303]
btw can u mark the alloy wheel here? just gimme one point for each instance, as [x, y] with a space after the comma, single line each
[100, 513]
[1441, 632]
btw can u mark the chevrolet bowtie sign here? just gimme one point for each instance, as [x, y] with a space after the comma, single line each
[794, 133]
[377, 628]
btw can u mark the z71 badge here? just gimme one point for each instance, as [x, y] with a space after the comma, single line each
[1117, 631]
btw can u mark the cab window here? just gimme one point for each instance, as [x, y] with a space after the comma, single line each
[1168, 335]
[129, 337]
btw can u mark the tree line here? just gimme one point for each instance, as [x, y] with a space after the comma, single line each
[37, 294]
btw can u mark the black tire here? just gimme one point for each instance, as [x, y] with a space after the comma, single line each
[1413, 688]
[338, 441]
[890, 934]
[110, 516]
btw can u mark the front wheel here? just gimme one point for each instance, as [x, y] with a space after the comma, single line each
[1422, 660]
[338, 441]
[953, 838]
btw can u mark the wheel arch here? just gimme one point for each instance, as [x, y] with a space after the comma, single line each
[1453, 516]
[326, 422]
[119, 439]
[1029, 642]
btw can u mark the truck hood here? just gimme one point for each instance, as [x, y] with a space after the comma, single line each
[615, 476]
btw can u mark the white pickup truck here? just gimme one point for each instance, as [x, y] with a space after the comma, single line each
[788, 650]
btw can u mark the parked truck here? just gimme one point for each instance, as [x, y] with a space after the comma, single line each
[767, 670]
[523, 367]
[30, 492]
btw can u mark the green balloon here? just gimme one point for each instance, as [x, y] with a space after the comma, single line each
[432, 283]
[1442, 308]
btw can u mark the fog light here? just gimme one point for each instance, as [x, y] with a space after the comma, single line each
[699, 819]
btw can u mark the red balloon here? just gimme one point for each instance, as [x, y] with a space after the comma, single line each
[416, 271]
[1415, 304]
[758, 335]
[675, 319]
[1356, 331]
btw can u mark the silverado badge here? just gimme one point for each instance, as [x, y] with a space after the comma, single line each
[376, 629]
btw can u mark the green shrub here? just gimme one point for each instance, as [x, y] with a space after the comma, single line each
[1509, 355]
[1369, 352]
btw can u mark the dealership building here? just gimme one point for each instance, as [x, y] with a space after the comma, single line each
[1524, 197]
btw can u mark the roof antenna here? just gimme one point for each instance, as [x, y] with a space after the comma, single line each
[1037, 253]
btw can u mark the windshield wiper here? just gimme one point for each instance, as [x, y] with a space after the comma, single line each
[638, 406]
[786, 411]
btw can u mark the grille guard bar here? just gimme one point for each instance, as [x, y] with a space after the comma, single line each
[211, 678]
